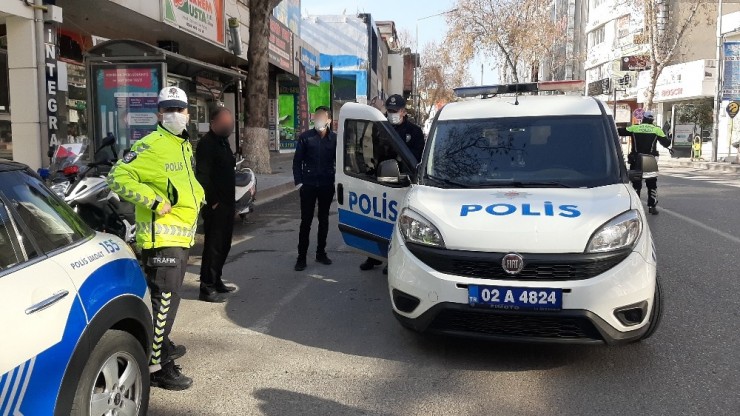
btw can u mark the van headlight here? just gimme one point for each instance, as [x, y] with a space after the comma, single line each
[417, 229]
[620, 232]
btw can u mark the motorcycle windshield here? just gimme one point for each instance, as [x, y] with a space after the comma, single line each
[67, 155]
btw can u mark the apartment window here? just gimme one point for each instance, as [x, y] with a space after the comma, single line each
[597, 36]
[390, 72]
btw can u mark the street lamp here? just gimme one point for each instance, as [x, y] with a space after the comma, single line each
[417, 61]
[718, 84]
[331, 86]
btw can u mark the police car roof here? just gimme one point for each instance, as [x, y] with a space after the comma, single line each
[8, 165]
[529, 106]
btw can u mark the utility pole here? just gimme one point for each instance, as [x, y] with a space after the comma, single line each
[718, 83]
[481, 75]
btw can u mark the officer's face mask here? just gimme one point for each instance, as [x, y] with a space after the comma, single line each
[395, 118]
[175, 122]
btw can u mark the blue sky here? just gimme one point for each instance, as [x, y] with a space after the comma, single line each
[405, 13]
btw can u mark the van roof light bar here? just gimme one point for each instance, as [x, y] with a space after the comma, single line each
[488, 90]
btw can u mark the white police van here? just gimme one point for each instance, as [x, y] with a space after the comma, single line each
[75, 313]
[519, 222]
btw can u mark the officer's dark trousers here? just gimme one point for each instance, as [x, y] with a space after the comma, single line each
[218, 225]
[652, 186]
[310, 196]
[165, 270]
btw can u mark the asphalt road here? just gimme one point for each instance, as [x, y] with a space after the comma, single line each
[324, 342]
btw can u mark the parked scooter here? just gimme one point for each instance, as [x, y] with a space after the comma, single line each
[246, 189]
[90, 196]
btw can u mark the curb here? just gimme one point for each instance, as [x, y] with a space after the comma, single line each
[717, 167]
[272, 193]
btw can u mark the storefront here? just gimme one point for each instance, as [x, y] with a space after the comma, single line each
[681, 96]
[125, 76]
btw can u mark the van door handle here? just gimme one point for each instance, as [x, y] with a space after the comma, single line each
[340, 194]
[47, 302]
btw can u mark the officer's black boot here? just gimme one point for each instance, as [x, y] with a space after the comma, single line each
[653, 210]
[300, 264]
[370, 264]
[170, 378]
[323, 259]
[177, 351]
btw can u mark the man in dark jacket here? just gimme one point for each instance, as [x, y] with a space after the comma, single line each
[314, 167]
[644, 139]
[214, 169]
[411, 134]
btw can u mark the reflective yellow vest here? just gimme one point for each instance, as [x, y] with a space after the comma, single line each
[160, 168]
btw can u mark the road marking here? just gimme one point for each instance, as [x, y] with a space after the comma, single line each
[702, 225]
[264, 323]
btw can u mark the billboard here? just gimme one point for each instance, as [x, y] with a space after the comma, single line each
[288, 12]
[203, 18]
[281, 46]
[731, 80]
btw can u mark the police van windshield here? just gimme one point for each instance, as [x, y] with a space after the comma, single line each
[557, 151]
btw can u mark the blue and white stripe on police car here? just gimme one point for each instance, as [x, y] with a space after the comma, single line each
[13, 387]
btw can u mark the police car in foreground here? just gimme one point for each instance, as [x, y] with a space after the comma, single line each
[518, 223]
[74, 309]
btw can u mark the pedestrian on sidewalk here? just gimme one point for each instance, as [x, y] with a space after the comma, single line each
[314, 168]
[214, 168]
[158, 177]
[411, 134]
[644, 139]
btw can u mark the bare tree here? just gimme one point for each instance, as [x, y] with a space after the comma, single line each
[666, 30]
[516, 34]
[257, 137]
[439, 74]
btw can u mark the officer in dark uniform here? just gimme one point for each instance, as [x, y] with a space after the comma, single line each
[314, 169]
[214, 168]
[644, 139]
[411, 134]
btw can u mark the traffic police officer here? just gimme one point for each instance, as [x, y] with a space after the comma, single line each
[411, 134]
[644, 139]
[158, 177]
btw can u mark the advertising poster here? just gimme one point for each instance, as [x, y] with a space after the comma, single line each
[683, 134]
[731, 80]
[281, 46]
[126, 100]
[302, 105]
[204, 18]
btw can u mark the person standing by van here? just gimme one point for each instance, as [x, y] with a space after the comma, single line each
[314, 168]
[411, 134]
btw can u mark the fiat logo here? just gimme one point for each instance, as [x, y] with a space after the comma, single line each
[513, 263]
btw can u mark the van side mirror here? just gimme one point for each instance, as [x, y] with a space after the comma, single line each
[389, 172]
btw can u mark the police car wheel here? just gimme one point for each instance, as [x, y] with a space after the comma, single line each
[656, 314]
[115, 380]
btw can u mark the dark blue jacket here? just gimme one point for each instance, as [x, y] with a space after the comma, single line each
[314, 162]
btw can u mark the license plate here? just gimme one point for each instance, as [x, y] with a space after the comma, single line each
[516, 298]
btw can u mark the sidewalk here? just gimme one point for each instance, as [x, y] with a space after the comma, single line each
[687, 163]
[279, 183]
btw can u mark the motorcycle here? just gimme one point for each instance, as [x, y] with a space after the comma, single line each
[246, 189]
[66, 161]
[92, 199]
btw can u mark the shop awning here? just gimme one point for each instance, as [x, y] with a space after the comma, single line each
[129, 50]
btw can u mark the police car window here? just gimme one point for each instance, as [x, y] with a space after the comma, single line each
[52, 223]
[10, 251]
[568, 151]
[366, 144]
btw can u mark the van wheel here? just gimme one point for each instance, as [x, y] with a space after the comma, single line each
[656, 314]
[115, 380]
